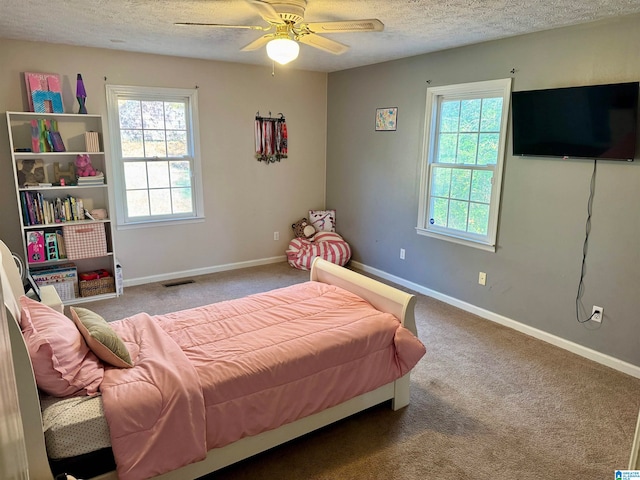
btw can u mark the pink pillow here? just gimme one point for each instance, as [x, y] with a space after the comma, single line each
[62, 362]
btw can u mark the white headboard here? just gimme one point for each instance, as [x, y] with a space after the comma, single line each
[13, 454]
[24, 379]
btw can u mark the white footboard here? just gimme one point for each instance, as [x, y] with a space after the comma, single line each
[383, 297]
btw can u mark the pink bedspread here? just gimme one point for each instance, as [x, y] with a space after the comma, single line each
[263, 361]
[155, 411]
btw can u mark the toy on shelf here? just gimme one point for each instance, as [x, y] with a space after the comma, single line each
[84, 167]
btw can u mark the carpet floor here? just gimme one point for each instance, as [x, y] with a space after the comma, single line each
[487, 402]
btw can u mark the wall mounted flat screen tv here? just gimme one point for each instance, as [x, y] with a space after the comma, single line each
[597, 121]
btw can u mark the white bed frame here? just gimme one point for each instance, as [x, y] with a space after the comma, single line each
[381, 296]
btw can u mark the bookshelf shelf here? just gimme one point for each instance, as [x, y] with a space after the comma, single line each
[40, 205]
[49, 263]
[52, 154]
[67, 116]
[57, 187]
[62, 224]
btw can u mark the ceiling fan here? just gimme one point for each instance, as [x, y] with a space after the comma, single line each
[286, 17]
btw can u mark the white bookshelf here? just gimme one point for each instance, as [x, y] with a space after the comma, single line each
[72, 128]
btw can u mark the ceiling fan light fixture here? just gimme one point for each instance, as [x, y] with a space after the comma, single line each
[283, 50]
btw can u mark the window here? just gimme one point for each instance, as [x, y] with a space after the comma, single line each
[465, 134]
[154, 140]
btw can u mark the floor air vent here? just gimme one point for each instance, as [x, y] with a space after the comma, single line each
[179, 282]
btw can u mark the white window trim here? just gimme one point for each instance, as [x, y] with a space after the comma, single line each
[112, 93]
[434, 96]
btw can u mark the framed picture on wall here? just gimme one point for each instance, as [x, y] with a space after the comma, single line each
[386, 119]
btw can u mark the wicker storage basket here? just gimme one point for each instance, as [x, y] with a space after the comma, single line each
[88, 288]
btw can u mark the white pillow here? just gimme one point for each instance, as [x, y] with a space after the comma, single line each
[323, 220]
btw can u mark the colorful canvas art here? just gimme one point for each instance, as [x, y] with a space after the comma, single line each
[44, 82]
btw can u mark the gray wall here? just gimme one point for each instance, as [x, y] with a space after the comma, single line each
[245, 200]
[373, 183]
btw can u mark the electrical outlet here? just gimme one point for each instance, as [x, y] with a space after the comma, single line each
[482, 278]
[402, 254]
[597, 313]
[276, 235]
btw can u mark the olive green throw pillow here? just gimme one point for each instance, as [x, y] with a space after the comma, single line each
[101, 338]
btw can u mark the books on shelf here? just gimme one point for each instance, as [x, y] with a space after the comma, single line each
[92, 144]
[45, 246]
[45, 136]
[37, 210]
[35, 247]
[51, 243]
[97, 179]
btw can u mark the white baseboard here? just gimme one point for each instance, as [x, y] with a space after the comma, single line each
[130, 282]
[594, 355]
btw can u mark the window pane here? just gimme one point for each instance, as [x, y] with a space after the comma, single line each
[439, 211]
[176, 143]
[440, 182]
[153, 115]
[182, 200]
[460, 184]
[130, 114]
[131, 143]
[137, 203]
[175, 116]
[154, 144]
[488, 149]
[449, 116]
[458, 215]
[481, 186]
[160, 201]
[180, 174]
[447, 148]
[478, 218]
[135, 175]
[467, 148]
[491, 114]
[158, 174]
[470, 115]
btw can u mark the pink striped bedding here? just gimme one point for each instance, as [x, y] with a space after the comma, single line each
[327, 245]
[247, 366]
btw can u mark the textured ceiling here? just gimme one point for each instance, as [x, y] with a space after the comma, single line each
[412, 27]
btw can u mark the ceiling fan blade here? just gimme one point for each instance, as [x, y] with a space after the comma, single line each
[323, 43]
[258, 43]
[222, 25]
[370, 25]
[266, 11]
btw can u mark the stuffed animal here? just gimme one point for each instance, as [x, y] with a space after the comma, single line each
[303, 229]
[84, 167]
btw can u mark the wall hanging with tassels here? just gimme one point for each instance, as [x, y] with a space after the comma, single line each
[271, 138]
